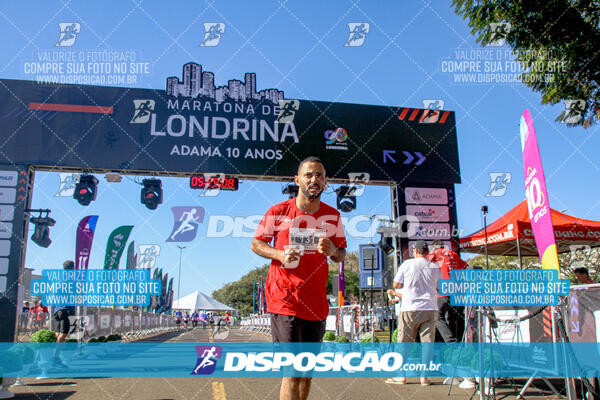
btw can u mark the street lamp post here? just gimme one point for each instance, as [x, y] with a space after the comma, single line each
[179, 277]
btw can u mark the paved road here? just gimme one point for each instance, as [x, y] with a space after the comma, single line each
[237, 388]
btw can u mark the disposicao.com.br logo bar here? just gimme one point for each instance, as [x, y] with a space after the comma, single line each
[245, 359]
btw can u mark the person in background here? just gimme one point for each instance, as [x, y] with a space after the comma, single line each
[178, 317]
[186, 319]
[63, 326]
[203, 319]
[195, 317]
[450, 323]
[583, 276]
[24, 317]
[39, 315]
[418, 278]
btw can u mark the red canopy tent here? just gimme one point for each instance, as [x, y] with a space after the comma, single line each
[511, 234]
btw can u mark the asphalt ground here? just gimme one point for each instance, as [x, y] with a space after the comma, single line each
[201, 388]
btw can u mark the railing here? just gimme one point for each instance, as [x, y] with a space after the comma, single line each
[101, 321]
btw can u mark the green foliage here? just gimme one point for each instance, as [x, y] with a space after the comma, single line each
[341, 339]
[71, 341]
[112, 338]
[350, 274]
[395, 335]
[93, 340]
[330, 336]
[43, 336]
[238, 294]
[556, 43]
[102, 339]
[505, 262]
[366, 338]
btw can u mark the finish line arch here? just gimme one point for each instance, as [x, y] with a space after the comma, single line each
[254, 136]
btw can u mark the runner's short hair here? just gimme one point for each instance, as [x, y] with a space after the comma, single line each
[309, 159]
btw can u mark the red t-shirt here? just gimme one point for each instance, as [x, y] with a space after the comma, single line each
[447, 261]
[301, 291]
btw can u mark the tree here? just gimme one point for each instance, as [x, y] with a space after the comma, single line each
[238, 294]
[555, 41]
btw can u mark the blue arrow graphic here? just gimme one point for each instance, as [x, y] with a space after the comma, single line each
[387, 154]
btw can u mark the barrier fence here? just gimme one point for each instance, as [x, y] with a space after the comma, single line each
[100, 321]
[349, 322]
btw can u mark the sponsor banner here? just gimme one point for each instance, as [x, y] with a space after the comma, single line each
[425, 195]
[429, 213]
[83, 242]
[426, 231]
[228, 359]
[586, 233]
[504, 287]
[8, 178]
[97, 287]
[219, 124]
[537, 196]
[116, 245]
[509, 234]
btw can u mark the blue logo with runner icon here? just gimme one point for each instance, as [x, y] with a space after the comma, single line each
[185, 224]
[207, 359]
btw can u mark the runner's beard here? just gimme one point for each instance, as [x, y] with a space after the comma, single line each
[311, 196]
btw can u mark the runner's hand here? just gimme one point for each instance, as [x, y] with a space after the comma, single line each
[289, 255]
[326, 247]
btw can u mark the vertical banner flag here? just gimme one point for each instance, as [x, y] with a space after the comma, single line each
[341, 290]
[163, 295]
[537, 195]
[170, 295]
[341, 284]
[116, 245]
[83, 241]
[130, 256]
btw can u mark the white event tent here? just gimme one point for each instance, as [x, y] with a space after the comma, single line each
[199, 301]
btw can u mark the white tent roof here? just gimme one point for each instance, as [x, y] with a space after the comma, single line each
[199, 301]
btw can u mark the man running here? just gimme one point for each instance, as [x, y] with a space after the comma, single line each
[296, 284]
[178, 317]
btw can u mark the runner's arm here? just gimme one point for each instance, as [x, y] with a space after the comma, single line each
[265, 250]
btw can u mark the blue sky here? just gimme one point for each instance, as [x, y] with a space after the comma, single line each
[298, 48]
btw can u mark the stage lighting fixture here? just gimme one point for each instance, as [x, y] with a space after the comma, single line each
[151, 195]
[386, 243]
[346, 201]
[86, 189]
[41, 234]
[290, 189]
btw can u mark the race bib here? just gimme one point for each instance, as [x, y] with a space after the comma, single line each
[308, 238]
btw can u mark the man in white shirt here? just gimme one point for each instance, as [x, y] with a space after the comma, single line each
[418, 278]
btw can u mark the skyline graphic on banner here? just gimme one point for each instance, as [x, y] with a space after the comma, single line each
[197, 83]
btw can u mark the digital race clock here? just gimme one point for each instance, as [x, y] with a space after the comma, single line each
[213, 182]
